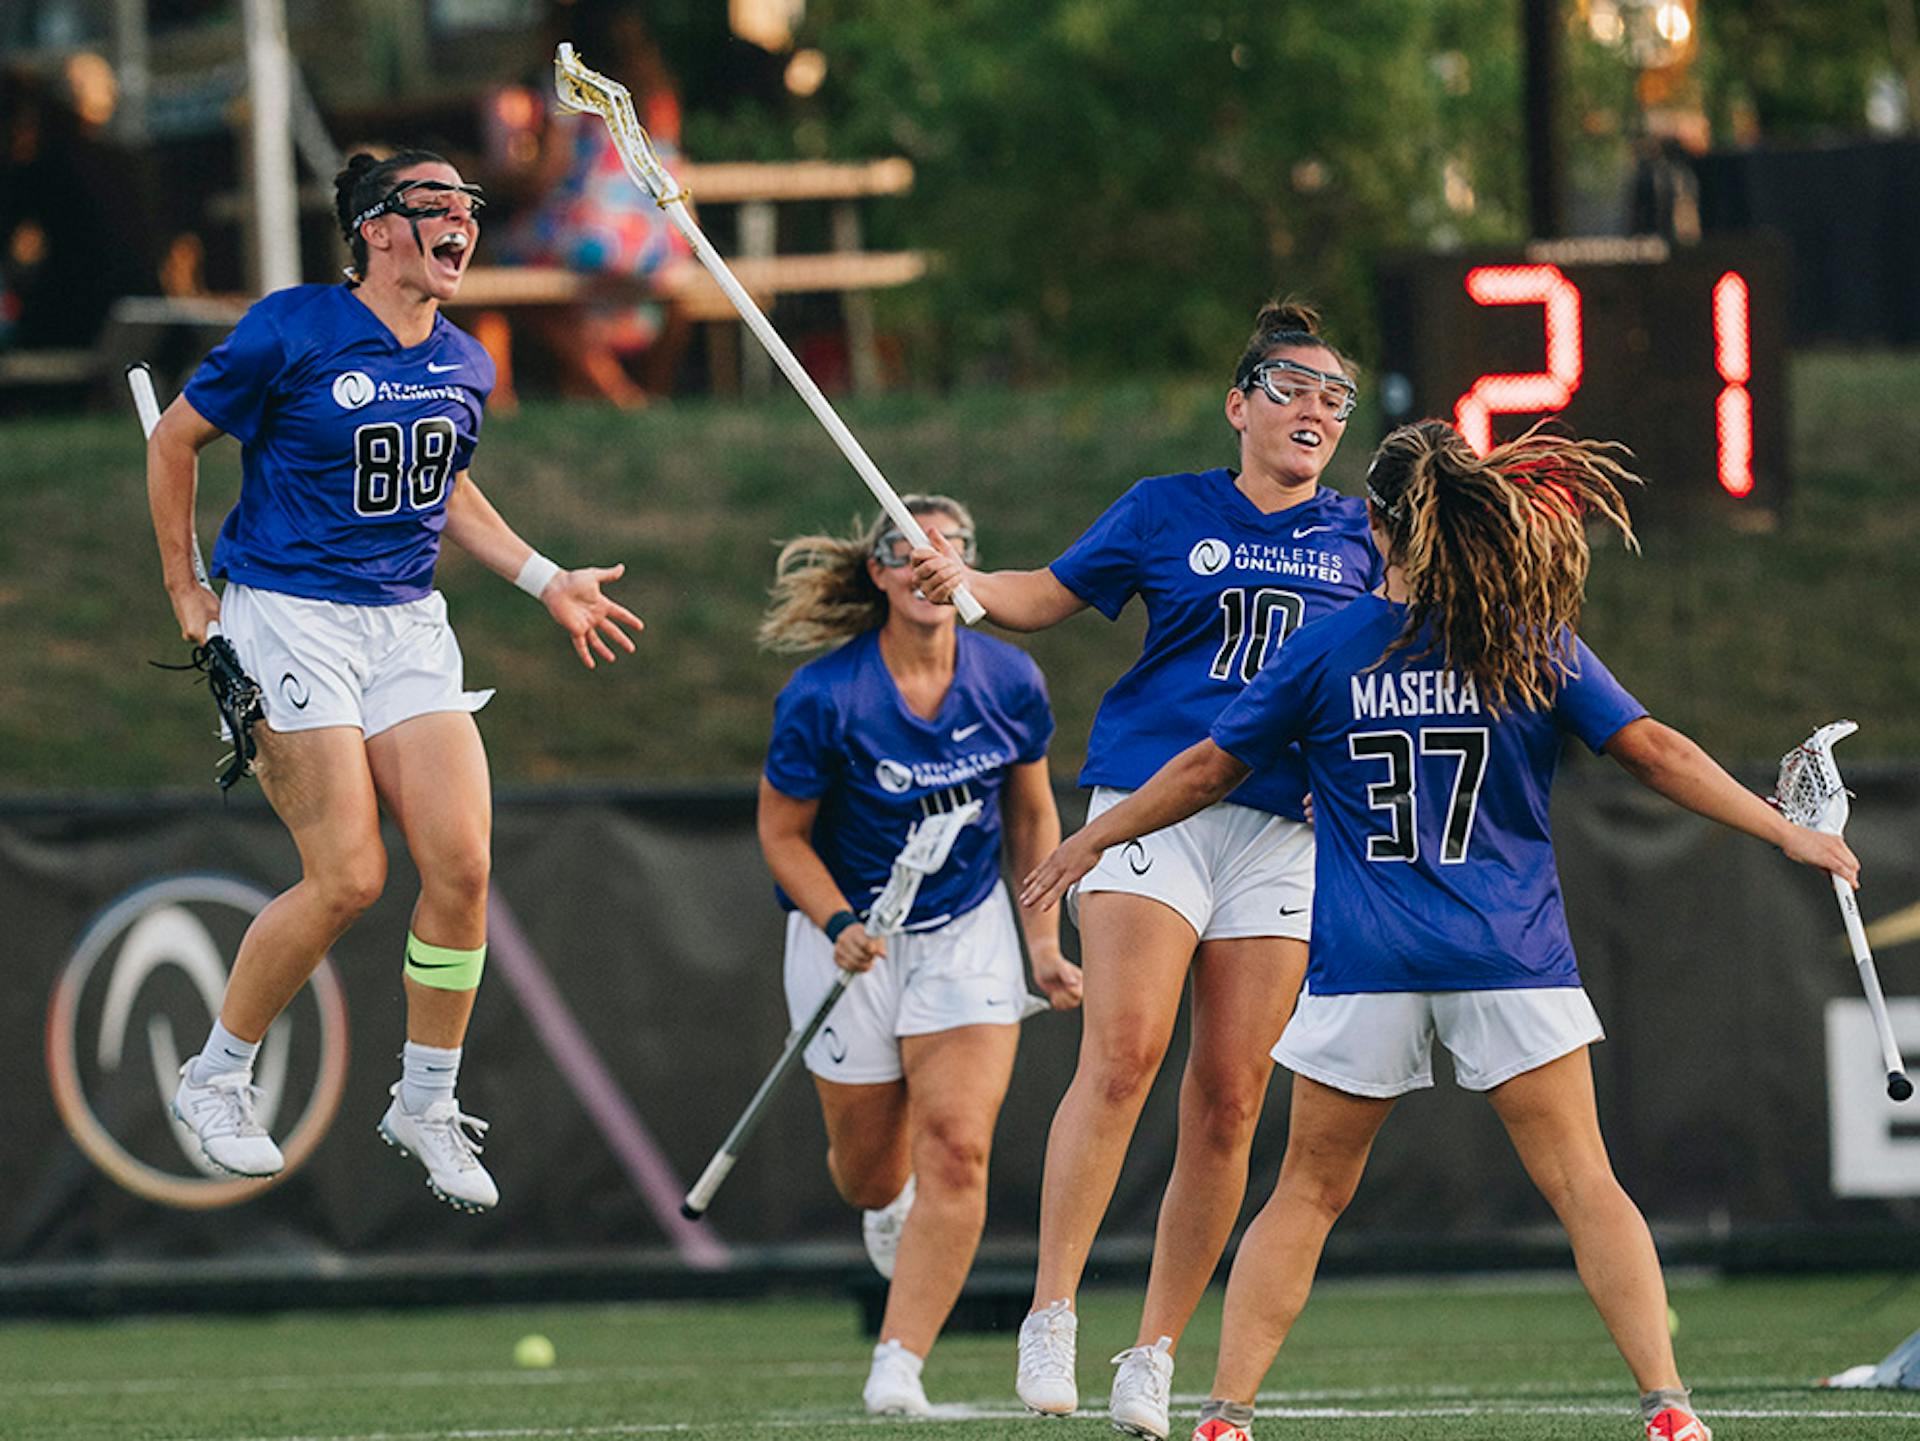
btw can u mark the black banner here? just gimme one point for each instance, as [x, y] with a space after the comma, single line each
[633, 1001]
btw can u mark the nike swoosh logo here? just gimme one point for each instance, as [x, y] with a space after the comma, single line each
[1300, 532]
[435, 965]
[443, 369]
[1291, 910]
[964, 731]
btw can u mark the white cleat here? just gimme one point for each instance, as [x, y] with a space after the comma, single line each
[447, 1142]
[1045, 1383]
[1142, 1390]
[220, 1116]
[881, 1229]
[893, 1385]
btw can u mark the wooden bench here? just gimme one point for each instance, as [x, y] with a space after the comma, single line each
[757, 189]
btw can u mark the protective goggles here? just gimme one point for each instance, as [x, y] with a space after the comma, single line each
[1285, 381]
[422, 200]
[891, 559]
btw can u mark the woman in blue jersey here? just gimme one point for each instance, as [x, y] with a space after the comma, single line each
[1229, 563]
[1431, 715]
[904, 718]
[357, 408]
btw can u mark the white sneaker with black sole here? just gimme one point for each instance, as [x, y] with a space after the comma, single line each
[219, 1113]
[446, 1141]
[893, 1385]
[881, 1229]
[1045, 1381]
[1143, 1390]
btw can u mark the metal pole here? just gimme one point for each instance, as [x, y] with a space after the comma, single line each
[276, 203]
[1541, 41]
[130, 50]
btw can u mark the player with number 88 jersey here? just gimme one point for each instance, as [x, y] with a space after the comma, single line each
[1229, 564]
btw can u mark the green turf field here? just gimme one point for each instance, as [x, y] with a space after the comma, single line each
[1405, 1360]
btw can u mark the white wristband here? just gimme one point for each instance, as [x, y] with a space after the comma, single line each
[535, 574]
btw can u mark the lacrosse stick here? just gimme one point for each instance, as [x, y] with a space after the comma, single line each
[928, 845]
[236, 695]
[1811, 793]
[591, 93]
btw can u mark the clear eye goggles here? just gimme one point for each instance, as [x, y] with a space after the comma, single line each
[1285, 381]
[422, 200]
[890, 558]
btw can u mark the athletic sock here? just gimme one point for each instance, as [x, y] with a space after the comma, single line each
[1654, 1402]
[223, 1052]
[1234, 1413]
[427, 1074]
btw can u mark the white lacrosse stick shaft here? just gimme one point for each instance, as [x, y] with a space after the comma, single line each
[1832, 819]
[147, 404]
[592, 93]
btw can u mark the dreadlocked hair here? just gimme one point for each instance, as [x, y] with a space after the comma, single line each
[822, 593]
[1494, 549]
[363, 182]
[1283, 325]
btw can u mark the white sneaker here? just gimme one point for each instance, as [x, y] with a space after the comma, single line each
[881, 1229]
[1142, 1390]
[446, 1141]
[220, 1115]
[1045, 1383]
[893, 1385]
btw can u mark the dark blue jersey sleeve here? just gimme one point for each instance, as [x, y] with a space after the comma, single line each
[1035, 713]
[1103, 566]
[1592, 704]
[233, 387]
[803, 748]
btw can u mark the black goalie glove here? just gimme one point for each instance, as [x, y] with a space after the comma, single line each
[236, 695]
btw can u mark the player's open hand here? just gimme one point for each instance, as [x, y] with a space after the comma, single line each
[1829, 853]
[574, 599]
[855, 950]
[1057, 977]
[1048, 881]
[938, 570]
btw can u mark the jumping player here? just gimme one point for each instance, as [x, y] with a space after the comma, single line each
[1431, 715]
[1229, 564]
[904, 718]
[357, 408]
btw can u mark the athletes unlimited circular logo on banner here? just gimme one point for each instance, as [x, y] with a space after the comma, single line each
[1209, 557]
[352, 389]
[137, 997]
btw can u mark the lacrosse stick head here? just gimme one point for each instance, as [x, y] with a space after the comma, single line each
[588, 92]
[1809, 791]
[928, 845]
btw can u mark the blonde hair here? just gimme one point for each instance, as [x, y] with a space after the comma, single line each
[822, 593]
[1494, 549]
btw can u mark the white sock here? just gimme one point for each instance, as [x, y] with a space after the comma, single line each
[427, 1074]
[914, 1363]
[223, 1052]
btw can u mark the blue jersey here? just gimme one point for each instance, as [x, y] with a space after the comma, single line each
[1434, 868]
[349, 445]
[843, 734]
[1224, 586]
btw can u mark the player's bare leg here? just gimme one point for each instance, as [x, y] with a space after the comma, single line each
[1137, 952]
[867, 1153]
[431, 772]
[318, 783]
[1329, 1134]
[1551, 1116]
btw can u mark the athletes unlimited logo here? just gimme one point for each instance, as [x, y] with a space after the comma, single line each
[894, 778]
[152, 969]
[1209, 557]
[352, 389]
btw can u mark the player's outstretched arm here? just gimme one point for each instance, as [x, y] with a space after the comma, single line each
[1015, 599]
[1665, 761]
[1190, 782]
[173, 476]
[572, 597]
[1032, 821]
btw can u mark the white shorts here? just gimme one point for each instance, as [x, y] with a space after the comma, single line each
[1381, 1043]
[321, 663]
[1229, 871]
[967, 973]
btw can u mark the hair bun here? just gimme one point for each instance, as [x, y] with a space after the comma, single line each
[1288, 314]
[344, 184]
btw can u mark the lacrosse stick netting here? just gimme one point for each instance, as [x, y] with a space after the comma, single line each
[1810, 793]
[591, 93]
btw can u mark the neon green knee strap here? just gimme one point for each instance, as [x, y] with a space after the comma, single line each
[442, 967]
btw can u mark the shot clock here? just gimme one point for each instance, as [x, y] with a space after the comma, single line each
[1677, 351]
